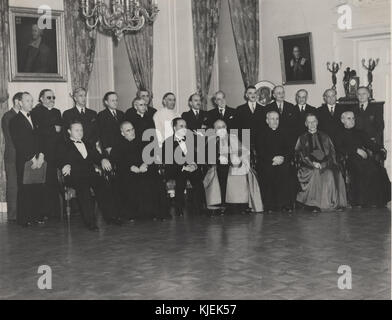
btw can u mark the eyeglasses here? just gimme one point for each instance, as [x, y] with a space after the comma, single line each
[51, 98]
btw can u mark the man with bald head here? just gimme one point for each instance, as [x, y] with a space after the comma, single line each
[329, 114]
[369, 116]
[370, 185]
[273, 163]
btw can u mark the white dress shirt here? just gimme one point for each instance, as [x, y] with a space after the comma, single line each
[28, 117]
[252, 106]
[222, 111]
[332, 108]
[182, 144]
[81, 109]
[81, 148]
[302, 107]
[363, 106]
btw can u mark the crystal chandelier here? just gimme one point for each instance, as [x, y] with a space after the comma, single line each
[118, 17]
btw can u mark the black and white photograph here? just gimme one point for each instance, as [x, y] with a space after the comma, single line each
[195, 158]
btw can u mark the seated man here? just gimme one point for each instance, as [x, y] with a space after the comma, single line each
[179, 159]
[230, 180]
[321, 182]
[77, 160]
[273, 165]
[370, 185]
[140, 186]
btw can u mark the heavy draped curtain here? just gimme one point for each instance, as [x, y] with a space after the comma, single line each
[139, 46]
[4, 43]
[245, 22]
[80, 43]
[205, 16]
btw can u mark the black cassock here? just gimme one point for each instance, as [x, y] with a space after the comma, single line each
[370, 184]
[142, 194]
[276, 181]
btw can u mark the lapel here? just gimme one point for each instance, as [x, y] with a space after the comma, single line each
[76, 150]
[27, 123]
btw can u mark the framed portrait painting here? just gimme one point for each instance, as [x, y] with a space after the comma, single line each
[296, 54]
[37, 46]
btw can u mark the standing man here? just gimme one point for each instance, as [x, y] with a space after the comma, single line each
[221, 112]
[287, 112]
[163, 118]
[147, 97]
[329, 115]
[301, 110]
[141, 119]
[109, 121]
[28, 146]
[48, 121]
[10, 158]
[273, 165]
[196, 118]
[251, 115]
[86, 116]
[369, 117]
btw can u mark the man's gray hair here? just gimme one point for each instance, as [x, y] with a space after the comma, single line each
[330, 90]
[345, 114]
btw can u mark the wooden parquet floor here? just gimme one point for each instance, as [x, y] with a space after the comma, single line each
[277, 256]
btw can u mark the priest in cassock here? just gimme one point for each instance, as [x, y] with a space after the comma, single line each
[140, 186]
[321, 183]
[230, 181]
[273, 166]
[141, 120]
[370, 185]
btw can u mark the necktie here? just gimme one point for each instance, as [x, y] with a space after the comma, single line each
[115, 115]
[221, 111]
[303, 109]
[332, 111]
[362, 108]
[197, 115]
[83, 111]
[280, 108]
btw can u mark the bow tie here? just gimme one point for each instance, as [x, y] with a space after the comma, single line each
[28, 115]
[181, 140]
[77, 141]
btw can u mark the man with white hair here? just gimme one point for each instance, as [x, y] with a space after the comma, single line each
[370, 185]
[221, 111]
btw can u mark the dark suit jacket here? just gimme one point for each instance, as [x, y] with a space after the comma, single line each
[9, 148]
[169, 149]
[300, 118]
[371, 121]
[229, 118]
[131, 112]
[194, 123]
[253, 121]
[46, 120]
[26, 140]
[82, 170]
[331, 125]
[109, 127]
[89, 121]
